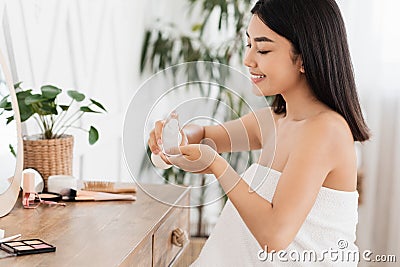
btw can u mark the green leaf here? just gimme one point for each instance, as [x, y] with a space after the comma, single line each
[145, 45]
[87, 109]
[4, 103]
[33, 99]
[78, 97]
[12, 150]
[25, 110]
[50, 91]
[17, 85]
[10, 119]
[98, 104]
[26, 116]
[24, 94]
[197, 27]
[47, 108]
[64, 107]
[93, 135]
[8, 107]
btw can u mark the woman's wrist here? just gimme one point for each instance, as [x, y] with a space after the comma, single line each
[225, 174]
[219, 166]
[194, 133]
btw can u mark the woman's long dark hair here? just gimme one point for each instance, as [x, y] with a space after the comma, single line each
[317, 33]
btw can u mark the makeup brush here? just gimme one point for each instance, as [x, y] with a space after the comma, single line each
[10, 238]
[82, 195]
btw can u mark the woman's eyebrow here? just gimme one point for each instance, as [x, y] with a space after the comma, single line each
[260, 39]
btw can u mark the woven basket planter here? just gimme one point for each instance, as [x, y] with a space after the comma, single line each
[49, 156]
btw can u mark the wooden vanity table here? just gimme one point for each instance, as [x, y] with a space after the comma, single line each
[112, 233]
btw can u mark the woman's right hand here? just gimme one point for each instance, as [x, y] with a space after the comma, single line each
[191, 133]
[155, 140]
[155, 137]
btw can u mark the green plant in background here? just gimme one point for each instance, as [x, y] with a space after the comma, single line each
[164, 46]
[53, 118]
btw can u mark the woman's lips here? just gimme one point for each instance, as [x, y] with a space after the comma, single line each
[256, 78]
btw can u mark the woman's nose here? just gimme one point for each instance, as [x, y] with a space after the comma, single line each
[248, 60]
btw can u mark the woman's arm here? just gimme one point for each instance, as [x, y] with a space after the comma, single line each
[246, 133]
[275, 224]
[243, 134]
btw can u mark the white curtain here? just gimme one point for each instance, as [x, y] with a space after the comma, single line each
[374, 39]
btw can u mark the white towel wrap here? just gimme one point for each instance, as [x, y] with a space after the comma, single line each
[332, 220]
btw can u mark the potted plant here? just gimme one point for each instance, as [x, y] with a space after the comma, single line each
[50, 151]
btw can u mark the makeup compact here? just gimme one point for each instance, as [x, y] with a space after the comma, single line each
[25, 247]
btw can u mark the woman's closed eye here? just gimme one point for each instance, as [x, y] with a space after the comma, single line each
[263, 52]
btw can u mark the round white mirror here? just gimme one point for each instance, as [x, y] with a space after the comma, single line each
[10, 142]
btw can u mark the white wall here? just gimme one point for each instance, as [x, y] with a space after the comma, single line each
[90, 46]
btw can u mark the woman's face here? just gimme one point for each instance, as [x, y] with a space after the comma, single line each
[269, 57]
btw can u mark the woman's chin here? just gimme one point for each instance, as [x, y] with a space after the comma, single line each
[257, 91]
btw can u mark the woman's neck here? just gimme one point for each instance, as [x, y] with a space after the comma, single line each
[301, 103]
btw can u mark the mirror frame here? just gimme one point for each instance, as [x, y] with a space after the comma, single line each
[10, 196]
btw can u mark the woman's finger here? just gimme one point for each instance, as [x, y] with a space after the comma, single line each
[164, 158]
[186, 149]
[158, 131]
[184, 138]
[194, 158]
[153, 144]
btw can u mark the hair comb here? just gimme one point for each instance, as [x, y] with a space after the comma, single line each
[109, 187]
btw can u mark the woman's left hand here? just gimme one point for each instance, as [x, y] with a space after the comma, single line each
[196, 158]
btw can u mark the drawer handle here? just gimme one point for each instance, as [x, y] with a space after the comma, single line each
[178, 237]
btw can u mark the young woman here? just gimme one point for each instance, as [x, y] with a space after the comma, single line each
[307, 201]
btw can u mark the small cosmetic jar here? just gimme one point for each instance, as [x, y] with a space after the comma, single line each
[56, 183]
[38, 180]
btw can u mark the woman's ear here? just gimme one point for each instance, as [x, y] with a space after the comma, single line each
[302, 69]
[300, 64]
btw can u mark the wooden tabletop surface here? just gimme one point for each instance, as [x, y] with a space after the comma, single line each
[89, 233]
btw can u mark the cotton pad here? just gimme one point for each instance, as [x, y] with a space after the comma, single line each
[159, 162]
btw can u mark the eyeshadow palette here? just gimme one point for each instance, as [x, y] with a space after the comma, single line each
[29, 246]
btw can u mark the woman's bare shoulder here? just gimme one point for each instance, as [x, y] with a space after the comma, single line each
[332, 120]
[333, 135]
[331, 125]
[324, 140]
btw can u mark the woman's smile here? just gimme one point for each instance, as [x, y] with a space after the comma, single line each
[256, 78]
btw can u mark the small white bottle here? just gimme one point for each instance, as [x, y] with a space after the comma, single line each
[171, 140]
